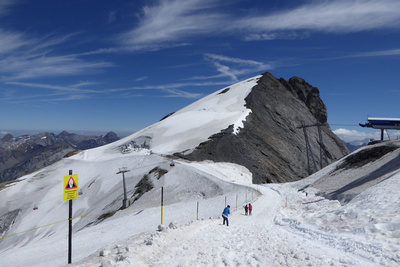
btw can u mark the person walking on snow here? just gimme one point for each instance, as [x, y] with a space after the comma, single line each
[225, 214]
[250, 208]
[246, 208]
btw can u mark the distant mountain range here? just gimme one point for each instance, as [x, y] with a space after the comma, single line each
[354, 145]
[28, 153]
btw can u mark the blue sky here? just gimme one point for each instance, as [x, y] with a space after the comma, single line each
[81, 65]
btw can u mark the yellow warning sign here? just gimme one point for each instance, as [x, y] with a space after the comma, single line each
[71, 187]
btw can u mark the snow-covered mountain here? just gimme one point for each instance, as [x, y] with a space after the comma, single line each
[254, 123]
[292, 224]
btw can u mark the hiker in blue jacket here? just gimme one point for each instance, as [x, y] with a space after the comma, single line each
[225, 214]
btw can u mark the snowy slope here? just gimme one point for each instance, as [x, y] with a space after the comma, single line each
[192, 125]
[288, 227]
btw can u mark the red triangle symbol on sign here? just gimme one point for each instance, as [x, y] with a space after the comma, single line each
[71, 184]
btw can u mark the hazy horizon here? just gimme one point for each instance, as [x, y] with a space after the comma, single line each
[20, 132]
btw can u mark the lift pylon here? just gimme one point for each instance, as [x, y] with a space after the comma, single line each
[310, 157]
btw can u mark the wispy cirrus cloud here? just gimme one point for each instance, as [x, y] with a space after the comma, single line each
[232, 67]
[141, 78]
[34, 58]
[340, 16]
[132, 49]
[46, 93]
[389, 52]
[377, 53]
[5, 5]
[24, 56]
[91, 90]
[36, 66]
[291, 35]
[175, 23]
[73, 88]
[10, 41]
[177, 20]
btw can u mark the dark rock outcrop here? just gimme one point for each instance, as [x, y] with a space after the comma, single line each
[7, 138]
[270, 145]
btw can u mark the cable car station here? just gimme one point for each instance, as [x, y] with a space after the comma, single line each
[382, 124]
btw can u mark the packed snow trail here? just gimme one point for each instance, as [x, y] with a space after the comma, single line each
[248, 241]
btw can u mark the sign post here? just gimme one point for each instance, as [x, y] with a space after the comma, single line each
[71, 191]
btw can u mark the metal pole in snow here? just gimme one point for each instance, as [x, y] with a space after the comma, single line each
[125, 197]
[123, 170]
[162, 203]
[236, 201]
[197, 210]
[70, 229]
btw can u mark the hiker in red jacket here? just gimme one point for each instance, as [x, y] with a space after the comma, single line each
[250, 208]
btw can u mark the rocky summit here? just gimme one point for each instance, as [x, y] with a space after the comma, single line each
[286, 136]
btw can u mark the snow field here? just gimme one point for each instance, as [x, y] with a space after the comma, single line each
[345, 228]
[288, 227]
[248, 241]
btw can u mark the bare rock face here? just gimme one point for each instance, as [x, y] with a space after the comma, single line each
[309, 95]
[271, 145]
[7, 138]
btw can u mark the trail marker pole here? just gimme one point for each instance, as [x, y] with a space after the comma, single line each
[197, 210]
[162, 203]
[236, 201]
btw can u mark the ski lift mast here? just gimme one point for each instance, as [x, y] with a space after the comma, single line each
[310, 156]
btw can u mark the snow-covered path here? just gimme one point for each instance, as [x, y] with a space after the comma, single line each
[212, 244]
[248, 241]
